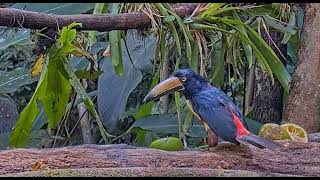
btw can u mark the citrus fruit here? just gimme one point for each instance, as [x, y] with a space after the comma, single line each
[296, 132]
[167, 144]
[273, 131]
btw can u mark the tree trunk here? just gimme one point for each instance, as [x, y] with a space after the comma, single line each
[303, 102]
[268, 97]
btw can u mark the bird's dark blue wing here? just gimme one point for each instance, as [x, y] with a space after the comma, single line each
[218, 117]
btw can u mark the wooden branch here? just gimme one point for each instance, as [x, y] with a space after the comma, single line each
[294, 159]
[33, 20]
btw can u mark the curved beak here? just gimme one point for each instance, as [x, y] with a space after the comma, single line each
[167, 86]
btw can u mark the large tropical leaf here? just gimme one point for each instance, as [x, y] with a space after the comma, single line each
[168, 124]
[113, 90]
[12, 80]
[55, 8]
[12, 37]
[23, 35]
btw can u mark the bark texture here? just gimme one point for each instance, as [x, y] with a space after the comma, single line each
[226, 159]
[34, 20]
[303, 102]
[268, 96]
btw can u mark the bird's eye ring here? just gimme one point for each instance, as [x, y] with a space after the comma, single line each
[183, 79]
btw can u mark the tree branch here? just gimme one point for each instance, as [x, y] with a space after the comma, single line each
[34, 20]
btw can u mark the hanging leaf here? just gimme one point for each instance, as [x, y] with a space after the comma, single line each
[22, 130]
[274, 62]
[56, 95]
[115, 45]
[218, 62]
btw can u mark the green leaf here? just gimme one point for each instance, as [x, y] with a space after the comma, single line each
[114, 90]
[10, 81]
[171, 26]
[91, 75]
[67, 35]
[246, 47]
[167, 144]
[187, 122]
[261, 10]
[293, 47]
[177, 102]
[86, 100]
[274, 62]
[253, 125]
[168, 124]
[186, 32]
[195, 56]
[56, 95]
[218, 62]
[276, 24]
[99, 8]
[115, 49]
[22, 130]
[146, 109]
[169, 18]
[290, 29]
[115, 45]
[143, 137]
[12, 38]
[213, 7]
[55, 8]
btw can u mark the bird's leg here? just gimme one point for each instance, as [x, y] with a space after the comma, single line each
[212, 137]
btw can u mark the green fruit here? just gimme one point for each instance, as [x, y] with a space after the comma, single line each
[167, 144]
[296, 132]
[273, 132]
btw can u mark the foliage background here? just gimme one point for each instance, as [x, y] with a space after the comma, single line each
[217, 44]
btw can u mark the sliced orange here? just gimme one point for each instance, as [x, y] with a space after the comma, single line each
[296, 132]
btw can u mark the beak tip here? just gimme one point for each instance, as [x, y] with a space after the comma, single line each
[147, 99]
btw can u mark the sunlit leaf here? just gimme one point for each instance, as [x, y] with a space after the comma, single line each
[36, 70]
[56, 95]
[22, 130]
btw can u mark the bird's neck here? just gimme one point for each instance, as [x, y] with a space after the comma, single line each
[195, 89]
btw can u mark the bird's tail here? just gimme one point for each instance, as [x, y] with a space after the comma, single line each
[258, 141]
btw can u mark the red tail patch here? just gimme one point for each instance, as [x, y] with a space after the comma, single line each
[241, 130]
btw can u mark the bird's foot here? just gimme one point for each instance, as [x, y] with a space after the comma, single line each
[204, 148]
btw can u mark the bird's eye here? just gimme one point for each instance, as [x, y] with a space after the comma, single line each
[183, 79]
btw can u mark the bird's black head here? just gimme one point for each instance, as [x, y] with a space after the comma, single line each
[184, 80]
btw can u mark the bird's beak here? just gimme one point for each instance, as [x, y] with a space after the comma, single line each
[165, 87]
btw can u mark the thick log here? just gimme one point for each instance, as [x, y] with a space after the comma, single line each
[123, 160]
[33, 20]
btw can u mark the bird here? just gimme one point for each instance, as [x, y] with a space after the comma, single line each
[219, 114]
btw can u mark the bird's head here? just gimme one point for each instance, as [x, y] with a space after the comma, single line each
[184, 80]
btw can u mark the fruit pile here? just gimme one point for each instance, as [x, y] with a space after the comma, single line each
[286, 131]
